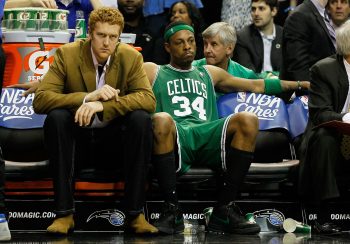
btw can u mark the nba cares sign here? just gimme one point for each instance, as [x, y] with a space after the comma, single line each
[271, 111]
[16, 111]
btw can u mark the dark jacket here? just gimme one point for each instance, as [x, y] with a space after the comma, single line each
[249, 50]
[320, 148]
[305, 41]
[144, 38]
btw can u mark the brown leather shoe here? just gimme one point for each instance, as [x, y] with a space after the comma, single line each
[140, 225]
[61, 225]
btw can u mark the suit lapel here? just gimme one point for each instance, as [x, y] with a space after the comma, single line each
[276, 49]
[259, 48]
[319, 19]
[343, 81]
[87, 68]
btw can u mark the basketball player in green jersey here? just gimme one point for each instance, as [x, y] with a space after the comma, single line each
[187, 121]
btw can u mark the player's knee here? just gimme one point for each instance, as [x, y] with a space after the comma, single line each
[248, 123]
[163, 125]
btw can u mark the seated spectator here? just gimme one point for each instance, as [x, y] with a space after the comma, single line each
[137, 24]
[339, 11]
[259, 44]
[156, 12]
[187, 12]
[95, 91]
[325, 152]
[186, 127]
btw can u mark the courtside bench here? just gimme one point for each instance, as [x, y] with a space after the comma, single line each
[21, 139]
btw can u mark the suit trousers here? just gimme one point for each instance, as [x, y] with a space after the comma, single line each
[321, 170]
[125, 143]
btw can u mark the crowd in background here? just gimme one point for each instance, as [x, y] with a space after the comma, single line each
[269, 39]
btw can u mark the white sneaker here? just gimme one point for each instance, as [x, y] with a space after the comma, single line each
[5, 234]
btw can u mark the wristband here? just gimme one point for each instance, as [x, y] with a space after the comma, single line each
[299, 85]
[272, 86]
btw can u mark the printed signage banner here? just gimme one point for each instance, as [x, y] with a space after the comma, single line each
[298, 112]
[16, 111]
[271, 111]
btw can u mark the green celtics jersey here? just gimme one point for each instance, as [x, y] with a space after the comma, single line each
[187, 95]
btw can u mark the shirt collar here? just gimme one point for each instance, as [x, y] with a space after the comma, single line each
[319, 7]
[66, 2]
[269, 37]
[94, 60]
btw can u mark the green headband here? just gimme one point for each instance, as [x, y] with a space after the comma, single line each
[175, 29]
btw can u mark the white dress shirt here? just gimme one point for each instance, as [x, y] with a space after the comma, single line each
[267, 41]
[346, 117]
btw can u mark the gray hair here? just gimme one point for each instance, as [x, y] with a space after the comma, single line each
[226, 32]
[343, 38]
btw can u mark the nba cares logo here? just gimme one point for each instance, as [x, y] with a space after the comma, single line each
[16, 111]
[305, 100]
[241, 97]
